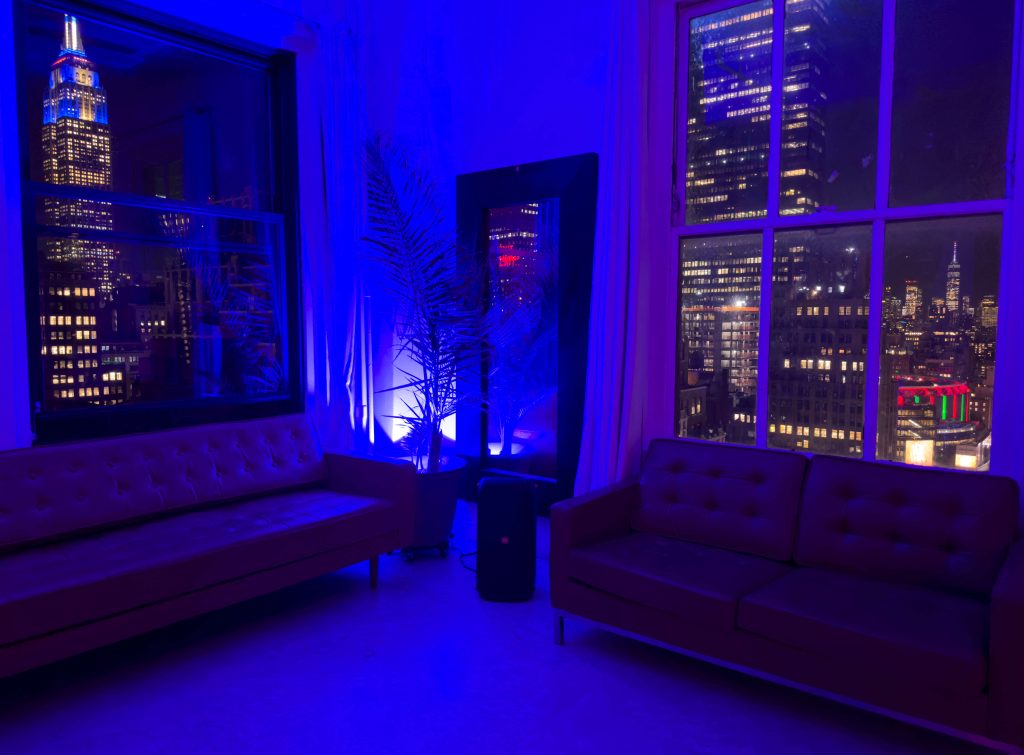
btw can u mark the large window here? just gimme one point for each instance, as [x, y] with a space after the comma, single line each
[839, 205]
[159, 234]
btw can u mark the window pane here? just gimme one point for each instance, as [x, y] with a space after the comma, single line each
[728, 92]
[138, 114]
[939, 341]
[160, 261]
[830, 105]
[951, 100]
[178, 323]
[720, 283]
[819, 335]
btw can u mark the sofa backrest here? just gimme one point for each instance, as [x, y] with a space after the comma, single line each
[50, 491]
[744, 499]
[922, 526]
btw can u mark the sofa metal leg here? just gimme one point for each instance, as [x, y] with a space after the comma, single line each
[374, 572]
[559, 629]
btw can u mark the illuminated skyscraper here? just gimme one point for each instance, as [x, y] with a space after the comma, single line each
[720, 288]
[76, 274]
[988, 311]
[819, 345]
[953, 284]
[913, 303]
[76, 152]
[728, 111]
[803, 104]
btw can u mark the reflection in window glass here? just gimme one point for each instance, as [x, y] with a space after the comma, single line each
[522, 384]
[720, 283]
[830, 105]
[728, 94]
[938, 343]
[819, 340]
[951, 100]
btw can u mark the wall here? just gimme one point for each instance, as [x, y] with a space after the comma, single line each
[477, 85]
[470, 86]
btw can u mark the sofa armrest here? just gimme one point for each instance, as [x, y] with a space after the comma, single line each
[377, 477]
[598, 515]
[1006, 651]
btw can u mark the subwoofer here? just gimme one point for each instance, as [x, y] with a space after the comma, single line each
[506, 560]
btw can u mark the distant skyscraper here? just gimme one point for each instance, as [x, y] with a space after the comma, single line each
[76, 275]
[819, 347]
[728, 111]
[988, 311]
[720, 285]
[953, 284]
[76, 152]
[913, 302]
[803, 104]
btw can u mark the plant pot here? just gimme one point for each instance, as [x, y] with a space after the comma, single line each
[436, 494]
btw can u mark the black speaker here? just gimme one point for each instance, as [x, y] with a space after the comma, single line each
[506, 533]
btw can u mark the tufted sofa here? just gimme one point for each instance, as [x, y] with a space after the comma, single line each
[894, 588]
[107, 539]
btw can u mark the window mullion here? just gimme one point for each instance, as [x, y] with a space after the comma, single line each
[775, 107]
[768, 238]
[877, 285]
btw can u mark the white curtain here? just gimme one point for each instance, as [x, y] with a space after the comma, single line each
[339, 397]
[613, 422]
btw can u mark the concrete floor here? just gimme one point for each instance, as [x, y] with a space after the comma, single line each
[422, 665]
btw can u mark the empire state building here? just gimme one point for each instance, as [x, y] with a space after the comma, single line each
[77, 274]
[76, 152]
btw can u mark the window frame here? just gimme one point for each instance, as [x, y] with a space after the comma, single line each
[668, 147]
[280, 66]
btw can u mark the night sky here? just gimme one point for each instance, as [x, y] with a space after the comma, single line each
[921, 250]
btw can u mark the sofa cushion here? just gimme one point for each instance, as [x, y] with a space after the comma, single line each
[896, 631]
[60, 585]
[692, 581]
[731, 497]
[56, 490]
[928, 527]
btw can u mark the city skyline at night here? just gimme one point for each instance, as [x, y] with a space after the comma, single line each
[940, 300]
[144, 305]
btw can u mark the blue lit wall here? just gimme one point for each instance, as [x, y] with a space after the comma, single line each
[469, 85]
[438, 76]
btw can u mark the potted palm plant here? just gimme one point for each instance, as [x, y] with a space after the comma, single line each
[437, 332]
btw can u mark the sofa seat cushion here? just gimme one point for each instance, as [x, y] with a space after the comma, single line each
[695, 582]
[49, 588]
[895, 631]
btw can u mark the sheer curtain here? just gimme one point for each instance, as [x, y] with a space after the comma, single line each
[613, 422]
[338, 395]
